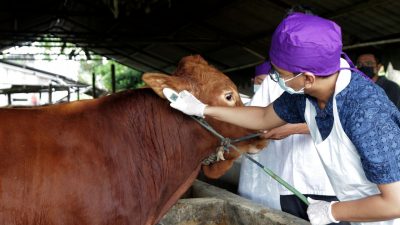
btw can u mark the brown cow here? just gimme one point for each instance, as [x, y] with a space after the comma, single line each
[121, 159]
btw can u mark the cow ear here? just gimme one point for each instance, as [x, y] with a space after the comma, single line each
[158, 82]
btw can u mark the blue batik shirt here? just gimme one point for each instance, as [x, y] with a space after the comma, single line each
[368, 117]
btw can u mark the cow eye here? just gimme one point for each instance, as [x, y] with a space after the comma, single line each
[229, 96]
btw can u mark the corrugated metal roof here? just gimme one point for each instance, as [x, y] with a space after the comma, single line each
[155, 35]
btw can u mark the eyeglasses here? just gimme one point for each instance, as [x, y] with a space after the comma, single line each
[275, 76]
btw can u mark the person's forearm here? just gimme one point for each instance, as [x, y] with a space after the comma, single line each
[251, 117]
[299, 128]
[286, 130]
[384, 206]
[373, 208]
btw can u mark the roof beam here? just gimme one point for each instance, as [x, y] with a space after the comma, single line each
[126, 55]
[391, 40]
[194, 20]
[360, 6]
[336, 14]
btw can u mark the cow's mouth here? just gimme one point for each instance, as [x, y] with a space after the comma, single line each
[253, 150]
[214, 157]
[252, 153]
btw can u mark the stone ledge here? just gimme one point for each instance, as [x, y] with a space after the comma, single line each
[210, 205]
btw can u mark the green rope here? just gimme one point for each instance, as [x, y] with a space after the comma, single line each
[275, 177]
[265, 169]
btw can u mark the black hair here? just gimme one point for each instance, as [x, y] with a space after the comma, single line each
[373, 51]
[300, 8]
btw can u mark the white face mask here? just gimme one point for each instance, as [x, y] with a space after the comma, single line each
[256, 87]
[282, 83]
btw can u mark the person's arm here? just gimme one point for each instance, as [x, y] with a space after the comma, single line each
[384, 206]
[286, 130]
[374, 129]
[379, 158]
[251, 117]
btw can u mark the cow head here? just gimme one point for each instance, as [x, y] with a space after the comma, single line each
[211, 87]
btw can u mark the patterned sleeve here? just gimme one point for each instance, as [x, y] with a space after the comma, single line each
[290, 108]
[374, 128]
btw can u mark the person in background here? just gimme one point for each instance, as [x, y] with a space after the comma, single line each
[290, 153]
[261, 73]
[354, 125]
[370, 64]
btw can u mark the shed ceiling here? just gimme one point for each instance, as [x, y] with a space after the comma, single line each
[153, 35]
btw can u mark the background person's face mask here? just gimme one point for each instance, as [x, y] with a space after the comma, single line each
[256, 87]
[367, 70]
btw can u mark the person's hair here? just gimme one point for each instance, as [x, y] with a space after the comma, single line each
[376, 53]
[299, 8]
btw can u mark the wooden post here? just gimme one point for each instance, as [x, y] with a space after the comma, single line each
[113, 77]
[50, 93]
[77, 93]
[94, 85]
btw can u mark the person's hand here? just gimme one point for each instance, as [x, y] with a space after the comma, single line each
[284, 131]
[278, 133]
[320, 212]
[188, 104]
[274, 134]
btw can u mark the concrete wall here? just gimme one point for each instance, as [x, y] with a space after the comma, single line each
[209, 205]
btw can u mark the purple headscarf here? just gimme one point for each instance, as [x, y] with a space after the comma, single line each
[307, 43]
[263, 69]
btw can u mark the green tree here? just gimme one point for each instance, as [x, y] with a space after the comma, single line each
[125, 77]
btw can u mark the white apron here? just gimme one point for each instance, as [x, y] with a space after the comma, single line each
[340, 157]
[288, 158]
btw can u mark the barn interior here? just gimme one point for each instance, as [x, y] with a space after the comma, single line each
[153, 35]
[232, 35]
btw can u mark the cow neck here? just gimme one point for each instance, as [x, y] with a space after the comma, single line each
[177, 194]
[172, 145]
[226, 143]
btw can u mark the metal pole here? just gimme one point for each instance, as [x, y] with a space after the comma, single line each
[77, 93]
[9, 98]
[94, 85]
[113, 77]
[50, 93]
[69, 95]
[366, 44]
[241, 67]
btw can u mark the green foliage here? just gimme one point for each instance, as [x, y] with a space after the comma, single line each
[125, 77]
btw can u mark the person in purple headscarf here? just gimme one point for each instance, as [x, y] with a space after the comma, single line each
[288, 153]
[354, 125]
[261, 72]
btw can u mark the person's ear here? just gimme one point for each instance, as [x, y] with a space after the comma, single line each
[309, 80]
[379, 67]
